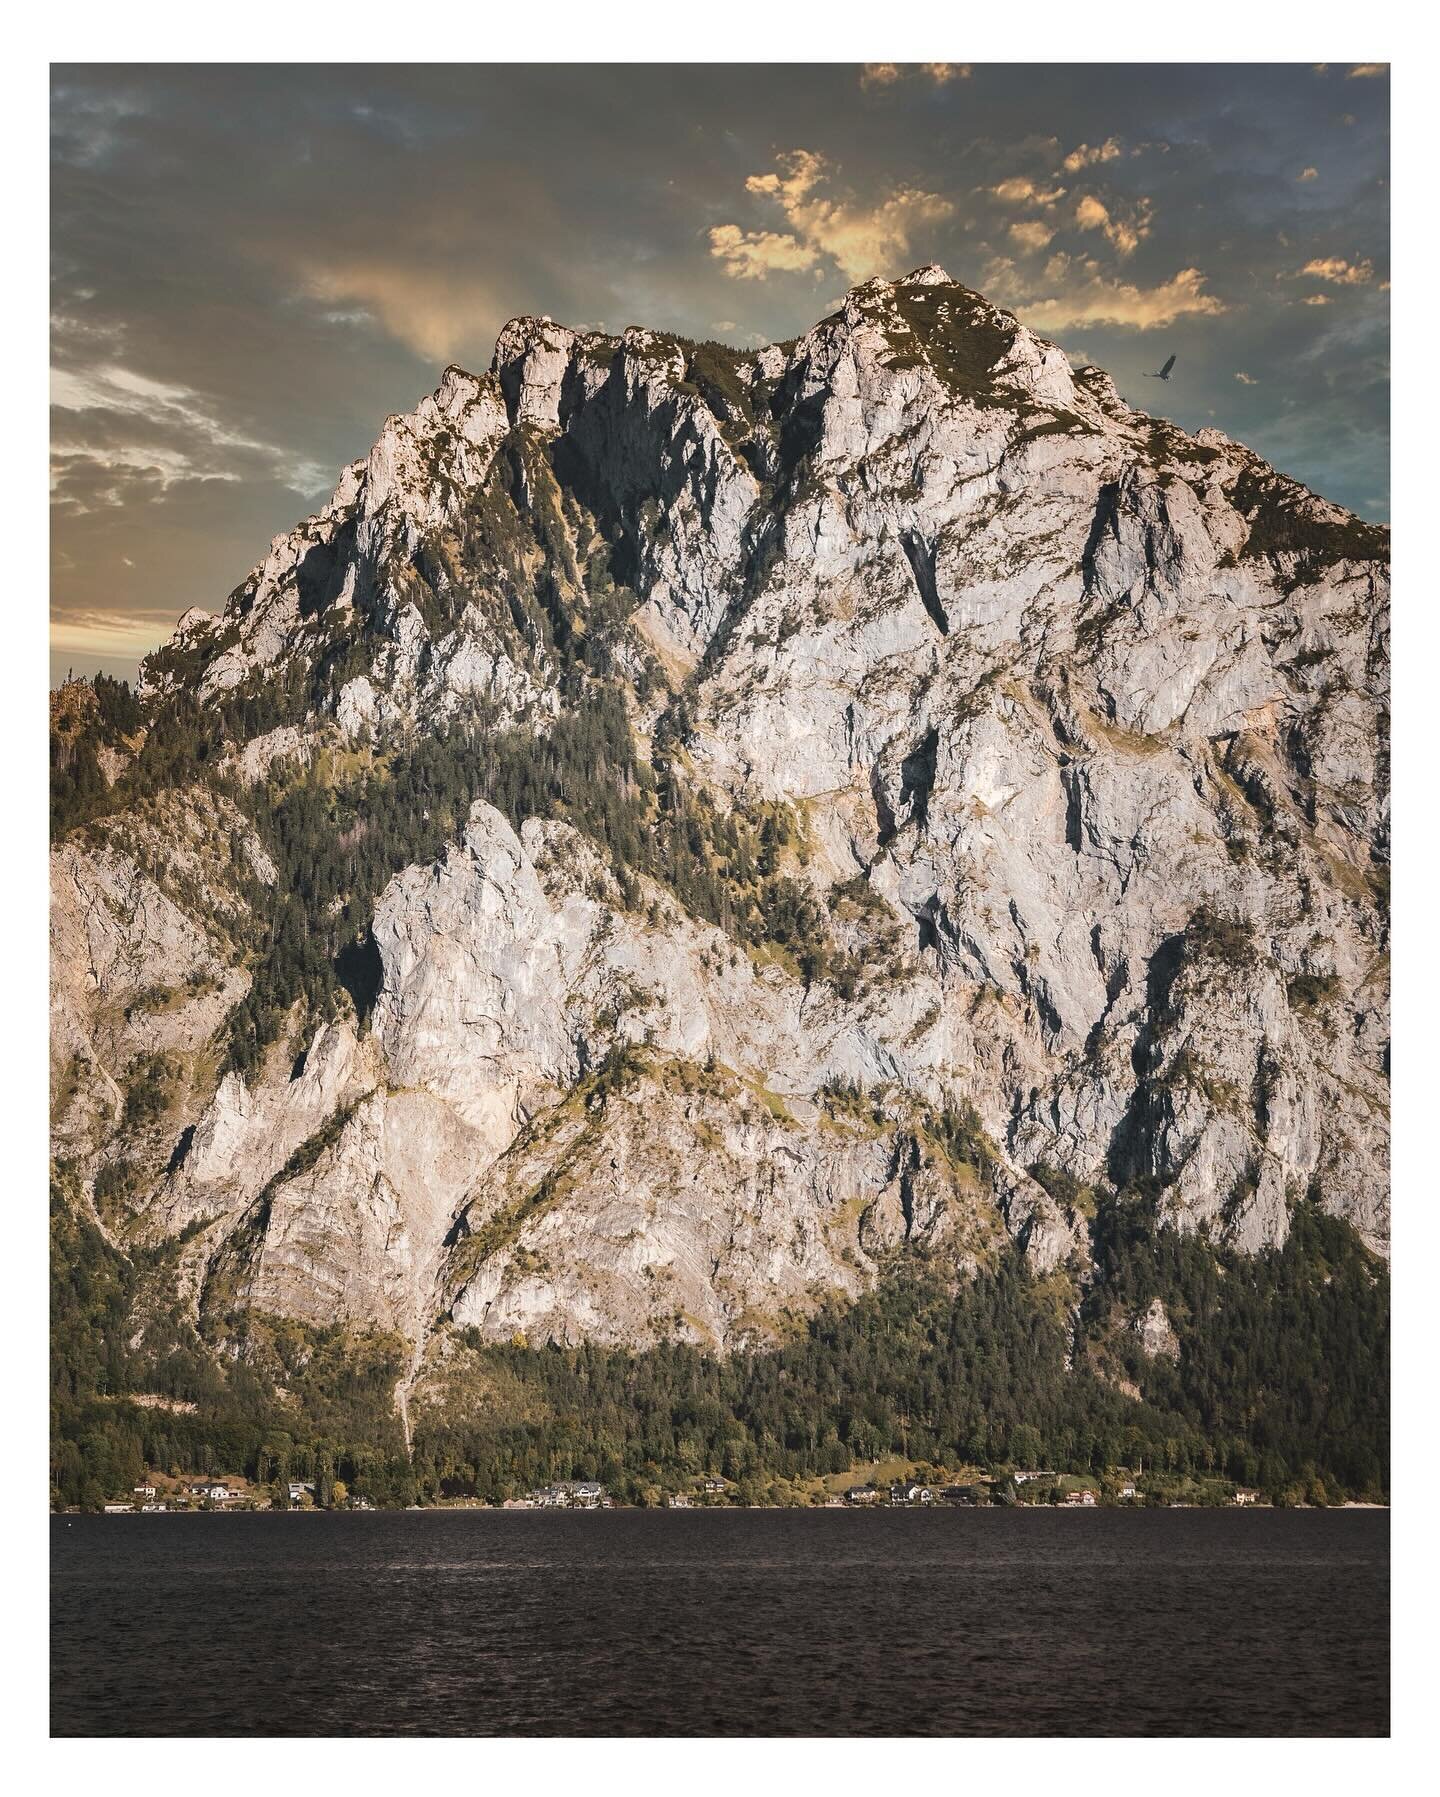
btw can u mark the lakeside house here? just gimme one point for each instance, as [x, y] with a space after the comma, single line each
[145, 1491]
[863, 1494]
[1043, 1473]
[958, 1494]
[297, 1488]
[566, 1494]
[571, 1494]
[911, 1491]
[217, 1493]
[1086, 1498]
[152, 1509]
[119, 1509]
[714, 1484]
[1243, 1496]
[1127, 1493]
[679, 1502]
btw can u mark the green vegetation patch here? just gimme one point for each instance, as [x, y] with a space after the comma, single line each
[1309, 991]
[1285, 522]
[149, 1088]
[86, 717]
[960, 335]
[1228, 941]
[337, 843]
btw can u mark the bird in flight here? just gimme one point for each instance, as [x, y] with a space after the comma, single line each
[1160, 374]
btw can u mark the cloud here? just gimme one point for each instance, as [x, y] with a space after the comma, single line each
[1084, 155]
[1246, 380]
[1336, 269]
[1020, 190]
[100, 631]
[752, 255]
[1077, 292]
[432, 309]
[1031, 234]
[861, 240]
[1363, 71]
[120, 422]
[87, 127]
[1124, 232]
[886, 74]
[119, 473]
[1308, 174]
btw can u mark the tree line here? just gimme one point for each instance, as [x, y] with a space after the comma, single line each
[1282, 1381]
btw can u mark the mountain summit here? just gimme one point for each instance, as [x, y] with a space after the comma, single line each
[683, 827]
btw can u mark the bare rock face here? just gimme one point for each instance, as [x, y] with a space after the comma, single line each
[1077, 727]
[501, 999]
[354, 1238]
[146, 913]
[1157, 1338]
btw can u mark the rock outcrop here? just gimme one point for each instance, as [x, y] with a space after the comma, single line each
[1067, 727]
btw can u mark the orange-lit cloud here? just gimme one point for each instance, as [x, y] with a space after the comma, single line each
[1124, 230]
[861, 240]
[1084, 155]
[886, 74]
[1338, 270]
[1032, 234]
[1077, 291]
[752, 255]
[434, 309]
[1020, 190]
[121, 635]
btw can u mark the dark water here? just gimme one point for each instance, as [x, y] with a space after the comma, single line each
[976, 1622]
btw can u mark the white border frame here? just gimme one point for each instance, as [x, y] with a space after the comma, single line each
[363, 31]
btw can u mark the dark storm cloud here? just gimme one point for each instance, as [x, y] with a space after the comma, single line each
[252, 266]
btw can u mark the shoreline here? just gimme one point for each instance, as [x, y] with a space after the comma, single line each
[733, 1510]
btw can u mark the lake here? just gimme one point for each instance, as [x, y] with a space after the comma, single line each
[741, 1622]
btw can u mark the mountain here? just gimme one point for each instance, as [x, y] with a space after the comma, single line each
[687, 844]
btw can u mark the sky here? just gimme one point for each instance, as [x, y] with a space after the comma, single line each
[252, 266]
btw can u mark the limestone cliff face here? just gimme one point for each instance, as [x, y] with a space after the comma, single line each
[1080, 725]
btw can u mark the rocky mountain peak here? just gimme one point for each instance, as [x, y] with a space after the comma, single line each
[692, 824]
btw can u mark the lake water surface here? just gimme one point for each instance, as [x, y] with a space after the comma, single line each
[621, 1622]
